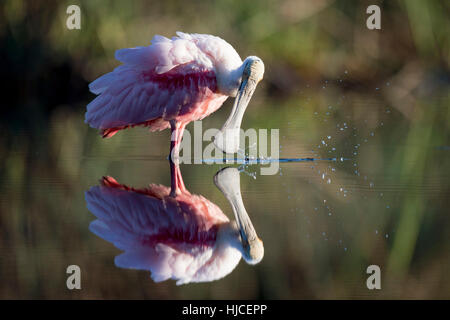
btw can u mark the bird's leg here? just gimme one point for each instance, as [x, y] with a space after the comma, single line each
[180, 182]
[177, 184]
[175, 138]
[174, 185]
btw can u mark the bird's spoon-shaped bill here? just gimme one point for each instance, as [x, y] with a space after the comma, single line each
[228, 182]
[227, 139]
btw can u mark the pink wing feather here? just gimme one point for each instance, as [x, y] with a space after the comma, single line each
[170, 79]
[173, 238]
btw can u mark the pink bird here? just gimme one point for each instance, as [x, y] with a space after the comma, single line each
[173, 82]
[186, 238]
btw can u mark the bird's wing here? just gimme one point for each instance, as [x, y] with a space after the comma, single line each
[133, 221]
[221, 263]
[147, 211]
[166, 262]
[156, 83]
[184, 263]
[124, 217]
[214, 47]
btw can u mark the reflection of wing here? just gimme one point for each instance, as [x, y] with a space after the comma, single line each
[167, 262]
[173, 238]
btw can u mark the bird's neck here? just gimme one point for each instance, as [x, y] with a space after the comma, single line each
[228, 235]
[228, 78]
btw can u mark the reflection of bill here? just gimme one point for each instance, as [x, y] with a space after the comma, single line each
[252, 144]
[173, 233]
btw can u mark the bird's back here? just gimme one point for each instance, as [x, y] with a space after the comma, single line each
[172, 79]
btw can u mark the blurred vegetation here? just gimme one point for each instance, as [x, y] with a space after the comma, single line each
[325, 71]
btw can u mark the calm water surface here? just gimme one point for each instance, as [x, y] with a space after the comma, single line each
[322, 222]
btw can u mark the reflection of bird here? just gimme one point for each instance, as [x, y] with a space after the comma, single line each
[173, 82]
[186, 237]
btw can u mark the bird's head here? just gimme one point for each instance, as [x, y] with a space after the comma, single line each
[245, 241]
[253, 251]
[253, 69]
[251, 73]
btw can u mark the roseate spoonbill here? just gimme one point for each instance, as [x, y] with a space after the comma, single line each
[184, 237]
[173, 82]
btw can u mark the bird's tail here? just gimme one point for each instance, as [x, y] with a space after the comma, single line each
[113, 223]
[125, 216]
